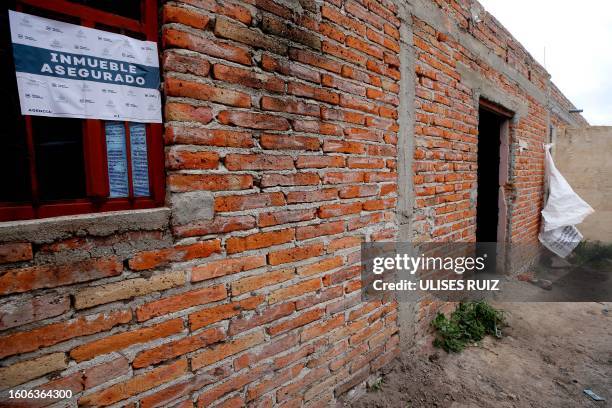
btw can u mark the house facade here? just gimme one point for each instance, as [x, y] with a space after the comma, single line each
[292, 132]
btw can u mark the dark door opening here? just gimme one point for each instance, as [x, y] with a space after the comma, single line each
[489, 143]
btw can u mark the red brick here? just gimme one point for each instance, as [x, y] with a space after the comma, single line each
[215, 314]
[211, 182]
[181, 111]
[253, 120]
[53, 275]
[353, 102]
[374, 205]
[295, 290]
[180, 39]
[269, 63]
[233, 402]
[258, 162]
[299, 354]
[320, 161]
[45, 336]
[290, 106]
[135, 385]
[228, 266]
[232, 10]
[177, 134]
[326, 228]
[197, 90]
[363, 190]
[190, 17]
[259, 240]
[263, 317]
[338, 210]
[284, 30]
[249, 201]
[323, 296]
[343, 53]
[311, 196]
[315, 60]
[255, 282]
[343, 177]
[343, 243]
[343, 85]
[216, 225]
[294, 179]
[180, 301]
[392, 31]
[23, 311]
[219, 352]
[186, 159]
[257, 390]
[178, 347]
[268, 219]
[342, 115]
[353, 8]
[226, 28]
[365, 163]
[307, 91]
[248, 78]
[320, 266]
[298, 321]
[361, 222]
[15, 252]
[283, 142]
[364, 47]
[319, 329]
[99, 374]
[345, 21]
[330, 32]
[294, 254]
[237, 382]
[340, 146]
[185, 63]
[315, 126]
[155, 258]
[120, 341]
[272, 348]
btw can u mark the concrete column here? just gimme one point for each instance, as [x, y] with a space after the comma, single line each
[405, 205]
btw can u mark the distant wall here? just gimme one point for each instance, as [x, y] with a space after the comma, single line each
[582, 155]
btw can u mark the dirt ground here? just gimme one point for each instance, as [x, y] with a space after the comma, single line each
[549, 354]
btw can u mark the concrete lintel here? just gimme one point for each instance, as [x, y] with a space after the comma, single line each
[100, 224]
[482, 87]
[563, 114]
[434, 16]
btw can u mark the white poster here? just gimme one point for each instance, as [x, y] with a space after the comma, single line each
[71, 71]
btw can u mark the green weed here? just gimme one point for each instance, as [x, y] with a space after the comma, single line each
[376, 385]
[470, 322]
[592, 253]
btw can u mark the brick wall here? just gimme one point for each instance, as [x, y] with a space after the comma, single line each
[281, 132]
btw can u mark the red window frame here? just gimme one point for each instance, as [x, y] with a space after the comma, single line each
[94, 142]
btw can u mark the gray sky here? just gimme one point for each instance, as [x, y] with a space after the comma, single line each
[578, 41]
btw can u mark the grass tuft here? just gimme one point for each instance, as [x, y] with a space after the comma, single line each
[592, 253]
[470, 322]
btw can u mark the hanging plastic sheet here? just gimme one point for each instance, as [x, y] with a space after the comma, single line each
[564, 209]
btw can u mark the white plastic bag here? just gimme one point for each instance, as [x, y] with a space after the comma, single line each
[562, 241]
[564, 209]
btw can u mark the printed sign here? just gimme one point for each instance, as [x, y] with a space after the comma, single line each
[70, 71]
[117, 159]
[140, 165]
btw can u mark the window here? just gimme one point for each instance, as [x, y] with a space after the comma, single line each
[57, 166]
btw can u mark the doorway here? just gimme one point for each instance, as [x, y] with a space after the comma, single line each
[492, 172]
